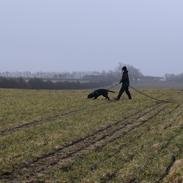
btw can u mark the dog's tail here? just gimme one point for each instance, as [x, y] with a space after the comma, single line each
[111, 91]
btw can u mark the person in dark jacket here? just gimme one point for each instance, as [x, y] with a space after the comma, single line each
[125, 84]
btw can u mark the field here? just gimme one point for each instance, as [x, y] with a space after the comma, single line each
[60, 136]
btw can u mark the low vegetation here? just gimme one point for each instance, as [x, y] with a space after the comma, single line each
[60, 136]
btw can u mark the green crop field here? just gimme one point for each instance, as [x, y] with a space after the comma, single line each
[62, 137]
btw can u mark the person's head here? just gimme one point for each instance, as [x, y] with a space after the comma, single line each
[124, 68]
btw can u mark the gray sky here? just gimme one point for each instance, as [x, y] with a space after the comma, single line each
[77, 35]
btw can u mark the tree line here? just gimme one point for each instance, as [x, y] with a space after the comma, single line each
[87, 81]
[36, 83]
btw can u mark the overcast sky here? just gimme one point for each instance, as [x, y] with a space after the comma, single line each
[78, 35]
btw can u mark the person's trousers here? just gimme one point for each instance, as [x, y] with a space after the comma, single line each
[122, 90]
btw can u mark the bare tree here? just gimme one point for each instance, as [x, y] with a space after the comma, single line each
[134, 73]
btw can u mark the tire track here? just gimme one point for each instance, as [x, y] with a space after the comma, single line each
[116, 152]
[162, 148]
[74, 148]
[49, 119]
[173, 157]
[112, 140]
[169, 166]
[96, 165]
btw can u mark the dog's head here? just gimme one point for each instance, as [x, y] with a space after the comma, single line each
[91, 95]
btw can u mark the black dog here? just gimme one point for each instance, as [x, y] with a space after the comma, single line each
[100, 92]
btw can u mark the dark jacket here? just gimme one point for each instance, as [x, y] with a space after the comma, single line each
[125, 79]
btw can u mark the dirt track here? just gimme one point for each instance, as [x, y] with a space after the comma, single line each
[49, 119]
[93, 141]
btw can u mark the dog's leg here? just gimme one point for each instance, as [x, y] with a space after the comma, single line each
[96, 97]
[106, 96]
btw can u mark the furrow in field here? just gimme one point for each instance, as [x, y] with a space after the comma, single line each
[162, 148]
[116, 152]
[73, 149]
[173, 158]
[50, 119]
[111, 140]
[100, 130]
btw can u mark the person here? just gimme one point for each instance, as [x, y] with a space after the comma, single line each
[125, 84]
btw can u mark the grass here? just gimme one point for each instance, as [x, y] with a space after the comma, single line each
[142, 154]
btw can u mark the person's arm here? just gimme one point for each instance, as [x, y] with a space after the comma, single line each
[121, 81]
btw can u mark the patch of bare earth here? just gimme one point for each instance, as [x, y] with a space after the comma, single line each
[176, 173]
